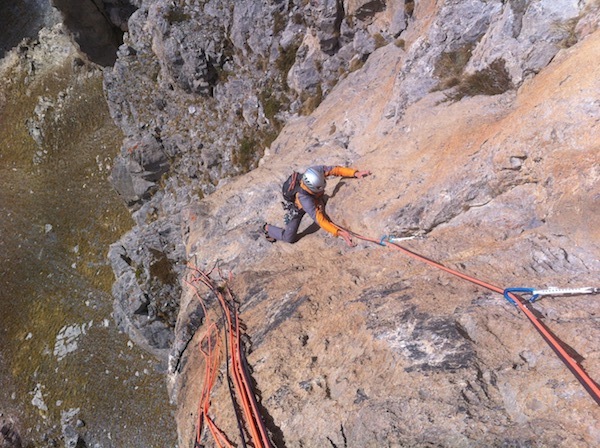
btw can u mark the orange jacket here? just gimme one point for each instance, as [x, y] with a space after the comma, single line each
[313, 205]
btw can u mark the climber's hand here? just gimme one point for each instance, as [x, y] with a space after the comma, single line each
[361, 174]
[347, 237]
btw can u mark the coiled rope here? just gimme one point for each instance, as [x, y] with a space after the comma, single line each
[577, 370]
[210, 347]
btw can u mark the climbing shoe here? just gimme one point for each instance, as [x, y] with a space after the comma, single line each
[269, 238]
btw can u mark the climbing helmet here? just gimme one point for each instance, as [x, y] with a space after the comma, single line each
[314, 179]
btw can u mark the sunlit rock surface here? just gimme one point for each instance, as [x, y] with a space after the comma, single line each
[479, 122]
[366, 347]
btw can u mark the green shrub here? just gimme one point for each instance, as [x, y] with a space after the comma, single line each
[279, 22]
[567, 30]
[245, 156]
[356, 64]
[286, 59]
[177, 15]
[379, 41]
[298, 19]
[268, 137]
[271, 103]
[311, 101]
[450, 66]
[492, 80]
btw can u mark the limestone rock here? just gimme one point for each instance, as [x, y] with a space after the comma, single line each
[9, 434]
[304, 75]
[138, 169]
[187, 61]
[363, 347]
[251, 27]
[330, 14]
[526, 35]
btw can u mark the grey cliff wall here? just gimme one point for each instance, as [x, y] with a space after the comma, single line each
[200, 90]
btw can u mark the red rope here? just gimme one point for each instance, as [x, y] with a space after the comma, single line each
[210, 348]
[590, 385]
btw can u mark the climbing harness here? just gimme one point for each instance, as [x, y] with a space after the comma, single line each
[291, 212]
[242, 394]
[511, 294]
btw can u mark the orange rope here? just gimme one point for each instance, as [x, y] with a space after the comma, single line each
[255, 414]
[241, 380]
[590, 385]
[210, 347]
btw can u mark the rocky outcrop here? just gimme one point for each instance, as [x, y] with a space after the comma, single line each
[9, 435]
[26, 18]
[477, 121]
[201, 89]
[96, 25]
[365, 347]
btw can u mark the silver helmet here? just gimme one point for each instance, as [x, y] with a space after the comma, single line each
[314, 179]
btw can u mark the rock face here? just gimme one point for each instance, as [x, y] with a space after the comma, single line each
[9, 435]
[480, 126]
[96, 25]
[25, 19]
[200, 89]
[365, 347]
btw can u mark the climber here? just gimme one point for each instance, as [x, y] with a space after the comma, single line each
[304, 194]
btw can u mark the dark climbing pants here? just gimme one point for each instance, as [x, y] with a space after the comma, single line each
[290, 231]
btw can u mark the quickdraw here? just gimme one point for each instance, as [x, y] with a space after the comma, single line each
[537, 293]
[511, 295]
